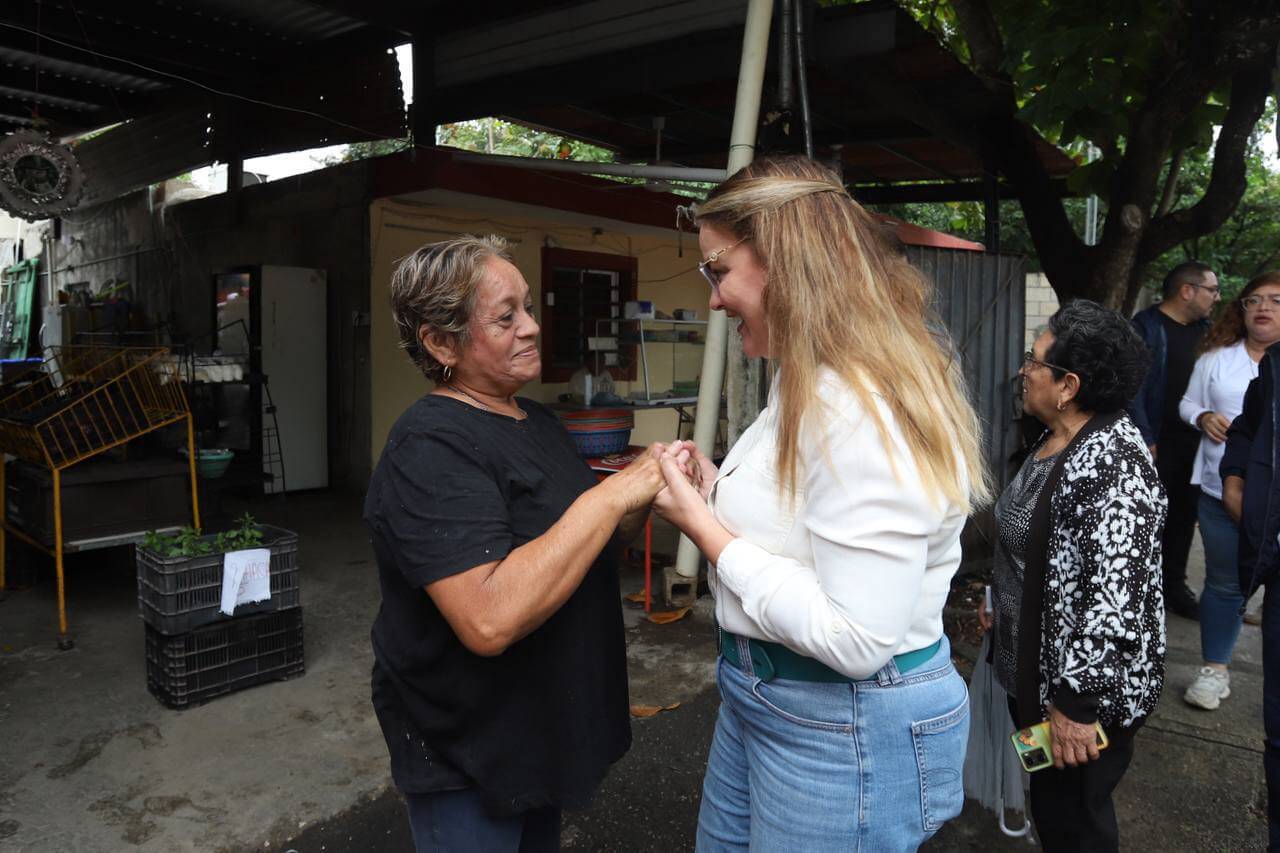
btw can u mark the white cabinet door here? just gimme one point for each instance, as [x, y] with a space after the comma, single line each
[294, 343]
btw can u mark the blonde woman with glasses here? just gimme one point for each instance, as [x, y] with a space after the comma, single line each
[833, 528]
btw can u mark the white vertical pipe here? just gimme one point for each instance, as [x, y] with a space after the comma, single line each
[1091, 205]
[742, 146]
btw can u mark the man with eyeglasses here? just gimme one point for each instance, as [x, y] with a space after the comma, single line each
[1172, 330]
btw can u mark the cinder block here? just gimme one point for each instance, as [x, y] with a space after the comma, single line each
[678, 590]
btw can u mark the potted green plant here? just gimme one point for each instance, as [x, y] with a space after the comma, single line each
[180, 573]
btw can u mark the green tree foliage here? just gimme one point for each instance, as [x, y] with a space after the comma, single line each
[490, 135]
[1146, 82]
[1248, 243]
[496, 136]
[365, 150]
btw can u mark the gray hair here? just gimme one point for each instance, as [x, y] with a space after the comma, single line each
[1102, 348]
[436, 286]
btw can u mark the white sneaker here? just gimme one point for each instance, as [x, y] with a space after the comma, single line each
[1209, 689]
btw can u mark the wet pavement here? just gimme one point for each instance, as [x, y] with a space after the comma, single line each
[1195, 784]
[89, 761]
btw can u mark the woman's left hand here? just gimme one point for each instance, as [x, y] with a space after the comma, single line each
[1074, 743]
[679, 503]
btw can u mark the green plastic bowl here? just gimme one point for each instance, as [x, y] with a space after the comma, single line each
[212, 464]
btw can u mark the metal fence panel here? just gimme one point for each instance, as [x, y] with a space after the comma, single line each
[981, 300]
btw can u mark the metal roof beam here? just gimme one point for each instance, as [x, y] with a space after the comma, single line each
[573, 33]
[81, 71]
[47, 99]
[583, 81]
[935, 192]
[183, 45]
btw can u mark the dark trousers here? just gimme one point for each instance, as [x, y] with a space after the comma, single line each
[459, 821]
[1072, 807]
[1271, 706]
[1175, 459]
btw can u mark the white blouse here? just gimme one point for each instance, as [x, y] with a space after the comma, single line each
[1217, 384]
[859, 568]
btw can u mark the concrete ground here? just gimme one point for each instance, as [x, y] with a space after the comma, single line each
[90, 761]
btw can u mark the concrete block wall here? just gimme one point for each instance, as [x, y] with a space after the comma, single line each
[1041, 303]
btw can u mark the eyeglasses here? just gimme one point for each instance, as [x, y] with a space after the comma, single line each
[713, 277]
[1029, 357]
[1252, 302]
[1215, 289]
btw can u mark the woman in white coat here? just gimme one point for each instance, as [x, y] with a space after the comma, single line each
[1215, 395]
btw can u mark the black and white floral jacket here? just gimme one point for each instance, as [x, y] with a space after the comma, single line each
[1101, 643]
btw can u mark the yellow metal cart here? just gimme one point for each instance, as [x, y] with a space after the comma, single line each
[82, 401]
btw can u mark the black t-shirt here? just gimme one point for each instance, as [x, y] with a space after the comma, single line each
[539, 724]
[1180, 360]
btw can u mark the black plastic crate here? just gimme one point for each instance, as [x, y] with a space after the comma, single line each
[178, 594]
[192, 668]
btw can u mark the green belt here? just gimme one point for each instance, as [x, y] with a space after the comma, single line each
[774, 660]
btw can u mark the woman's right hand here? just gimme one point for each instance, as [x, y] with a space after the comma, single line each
[1215, 426]
[635, 486]
[701, 470]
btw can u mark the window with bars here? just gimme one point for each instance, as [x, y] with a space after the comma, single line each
[579, 291]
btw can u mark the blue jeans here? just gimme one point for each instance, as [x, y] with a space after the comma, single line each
[871, 765]
[450, 821]
[1221, 601]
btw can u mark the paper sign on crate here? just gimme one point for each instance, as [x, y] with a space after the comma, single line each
[246, 577]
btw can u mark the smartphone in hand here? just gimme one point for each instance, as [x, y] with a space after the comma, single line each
[1034, 745]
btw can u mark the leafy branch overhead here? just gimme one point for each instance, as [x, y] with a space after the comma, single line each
[1146, 82]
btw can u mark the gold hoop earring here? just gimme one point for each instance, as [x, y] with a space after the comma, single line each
[1061, 406]
[448, 374]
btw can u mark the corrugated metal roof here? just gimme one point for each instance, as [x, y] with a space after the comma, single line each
[365, 91]
[299, 22]
[72, 67]
[323, 56]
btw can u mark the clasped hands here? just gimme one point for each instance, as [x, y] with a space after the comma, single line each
[674, 479]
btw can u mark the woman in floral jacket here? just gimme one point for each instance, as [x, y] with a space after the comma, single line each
[1078, 608]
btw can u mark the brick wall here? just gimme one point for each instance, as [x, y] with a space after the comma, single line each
[1041, 303]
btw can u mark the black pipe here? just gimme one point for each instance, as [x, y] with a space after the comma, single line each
[803, 80]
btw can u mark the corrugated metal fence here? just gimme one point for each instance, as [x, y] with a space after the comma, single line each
[980, 298]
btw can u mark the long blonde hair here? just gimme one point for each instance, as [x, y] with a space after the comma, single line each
[838, 294]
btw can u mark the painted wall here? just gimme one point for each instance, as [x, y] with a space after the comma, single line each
[668, 279]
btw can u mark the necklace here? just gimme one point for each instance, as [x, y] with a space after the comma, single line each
[1058, 444]
[521, 415]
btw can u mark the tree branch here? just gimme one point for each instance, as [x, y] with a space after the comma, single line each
[1170, 184]
[986, 47]
[1009, 145]
[1228, 180]
[1062, 253]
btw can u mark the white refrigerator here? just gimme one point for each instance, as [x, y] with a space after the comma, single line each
[277, 318]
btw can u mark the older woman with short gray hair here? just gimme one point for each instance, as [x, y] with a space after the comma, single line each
[1078, 609]
[499, 673]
